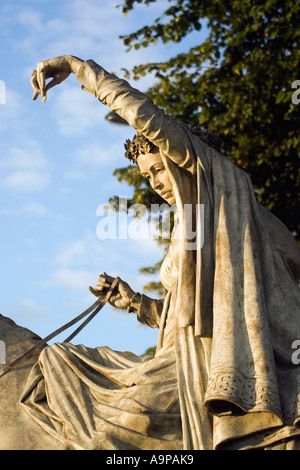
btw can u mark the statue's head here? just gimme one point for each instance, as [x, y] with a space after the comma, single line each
[147, 156]
[142, 151]
[140, 145]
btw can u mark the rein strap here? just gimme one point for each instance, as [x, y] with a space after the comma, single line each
[93, 310]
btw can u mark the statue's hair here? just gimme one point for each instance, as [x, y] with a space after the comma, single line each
[141, 145]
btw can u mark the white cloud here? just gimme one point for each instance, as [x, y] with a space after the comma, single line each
[75, 113]
[92, 154]
[24, 168]
[74, 175]
[31, 18]
[74, 279]
[12, 112]
[71, 253]
[32, 309]
[6, 211]
[29, 181]
[91, 30]
[28, 156]
[98, 154]
[79, 262]
[36, 208]
[81, 252]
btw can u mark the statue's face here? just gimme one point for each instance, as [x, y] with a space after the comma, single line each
[152, 168]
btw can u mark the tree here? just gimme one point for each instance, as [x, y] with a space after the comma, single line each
[238, 83]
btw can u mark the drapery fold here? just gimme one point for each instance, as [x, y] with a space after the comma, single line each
[237, 300]
[239, 288]
[249, 309]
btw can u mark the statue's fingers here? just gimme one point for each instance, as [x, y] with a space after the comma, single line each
[35, 85]
[51, 84]
[57, 79]
[108, 278]
[33, 80]
[103, 278]
[35, 95]
[102, 285]
[95, 292]
[41, 79]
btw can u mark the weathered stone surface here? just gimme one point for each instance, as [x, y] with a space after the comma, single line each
[17, 429]
[223, 374]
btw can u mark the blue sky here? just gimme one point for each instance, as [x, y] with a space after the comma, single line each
[56, 168]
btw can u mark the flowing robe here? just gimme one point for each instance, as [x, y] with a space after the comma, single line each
[236, 305]
[97, 398]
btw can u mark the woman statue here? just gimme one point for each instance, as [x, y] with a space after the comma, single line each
[223, 375]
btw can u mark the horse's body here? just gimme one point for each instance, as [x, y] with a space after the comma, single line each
[18, 431]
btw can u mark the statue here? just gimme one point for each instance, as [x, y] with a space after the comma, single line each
[222, 376]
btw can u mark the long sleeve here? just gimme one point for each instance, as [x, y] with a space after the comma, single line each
[150, 311]
[172, 138]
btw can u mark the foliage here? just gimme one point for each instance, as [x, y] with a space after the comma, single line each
[150, 351]
[238, 83]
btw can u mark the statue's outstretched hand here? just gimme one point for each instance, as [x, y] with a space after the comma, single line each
[58, 68]
[122, 294]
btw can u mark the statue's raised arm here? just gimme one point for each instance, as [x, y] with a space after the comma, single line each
[58, 69]
[167, 134]
[224, 375]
